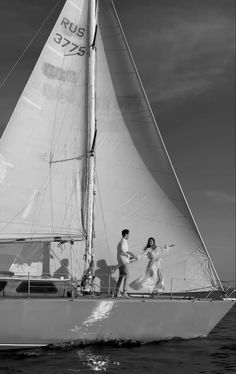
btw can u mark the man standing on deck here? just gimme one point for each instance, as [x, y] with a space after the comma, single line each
[123, 258]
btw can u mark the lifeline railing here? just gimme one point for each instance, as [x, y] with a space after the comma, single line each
[103, 283]
[199, 292]
[28, 285]
[229, 287]
[173, 289]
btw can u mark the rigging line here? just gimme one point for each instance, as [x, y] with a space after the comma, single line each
[65, 180]
[103, 217]
[41, 195]
[51, 154]
[68, 159]
[42, 191]
[51, 203]
[68, 206]
[12, 220]
[28, 45]
[36, 210]
[54, 141]
[66, 112]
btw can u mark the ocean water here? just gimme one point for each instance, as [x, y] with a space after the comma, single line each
[214, 354]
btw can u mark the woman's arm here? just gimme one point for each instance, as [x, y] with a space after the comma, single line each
[165, 247]
[145, 253]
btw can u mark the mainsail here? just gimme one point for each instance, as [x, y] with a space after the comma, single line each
[44, 151]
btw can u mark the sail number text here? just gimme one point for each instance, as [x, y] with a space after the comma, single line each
[64, 42]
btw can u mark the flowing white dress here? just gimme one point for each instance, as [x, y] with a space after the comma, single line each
[153, 279]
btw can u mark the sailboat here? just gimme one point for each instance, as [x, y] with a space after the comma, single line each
[81, 159]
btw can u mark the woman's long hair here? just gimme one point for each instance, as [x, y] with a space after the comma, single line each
[148, 243]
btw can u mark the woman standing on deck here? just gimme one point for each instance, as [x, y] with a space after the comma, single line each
[153, 278]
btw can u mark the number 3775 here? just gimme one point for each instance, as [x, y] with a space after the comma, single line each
[72, 47]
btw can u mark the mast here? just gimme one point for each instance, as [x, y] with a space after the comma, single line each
[91, 132]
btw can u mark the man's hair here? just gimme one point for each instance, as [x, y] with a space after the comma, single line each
[124, 232]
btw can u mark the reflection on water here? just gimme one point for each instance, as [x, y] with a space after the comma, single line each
[96, 362]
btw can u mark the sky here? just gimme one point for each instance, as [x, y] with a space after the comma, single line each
[184, 51]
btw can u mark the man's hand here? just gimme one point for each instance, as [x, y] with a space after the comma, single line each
[135, 257]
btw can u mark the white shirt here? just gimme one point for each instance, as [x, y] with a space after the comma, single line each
[122, 248]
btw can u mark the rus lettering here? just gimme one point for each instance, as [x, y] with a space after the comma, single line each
[72, 28]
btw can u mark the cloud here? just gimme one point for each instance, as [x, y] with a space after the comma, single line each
[220, 197]
[192, 51]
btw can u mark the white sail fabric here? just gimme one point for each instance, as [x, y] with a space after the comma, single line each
[27, 258]
[7, 255]
[136, 186]
[43, 149]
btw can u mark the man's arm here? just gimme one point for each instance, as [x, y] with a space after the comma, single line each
[127, 253]
[132, 255]
[124, 253]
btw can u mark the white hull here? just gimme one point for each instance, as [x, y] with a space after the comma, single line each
[38, 322]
